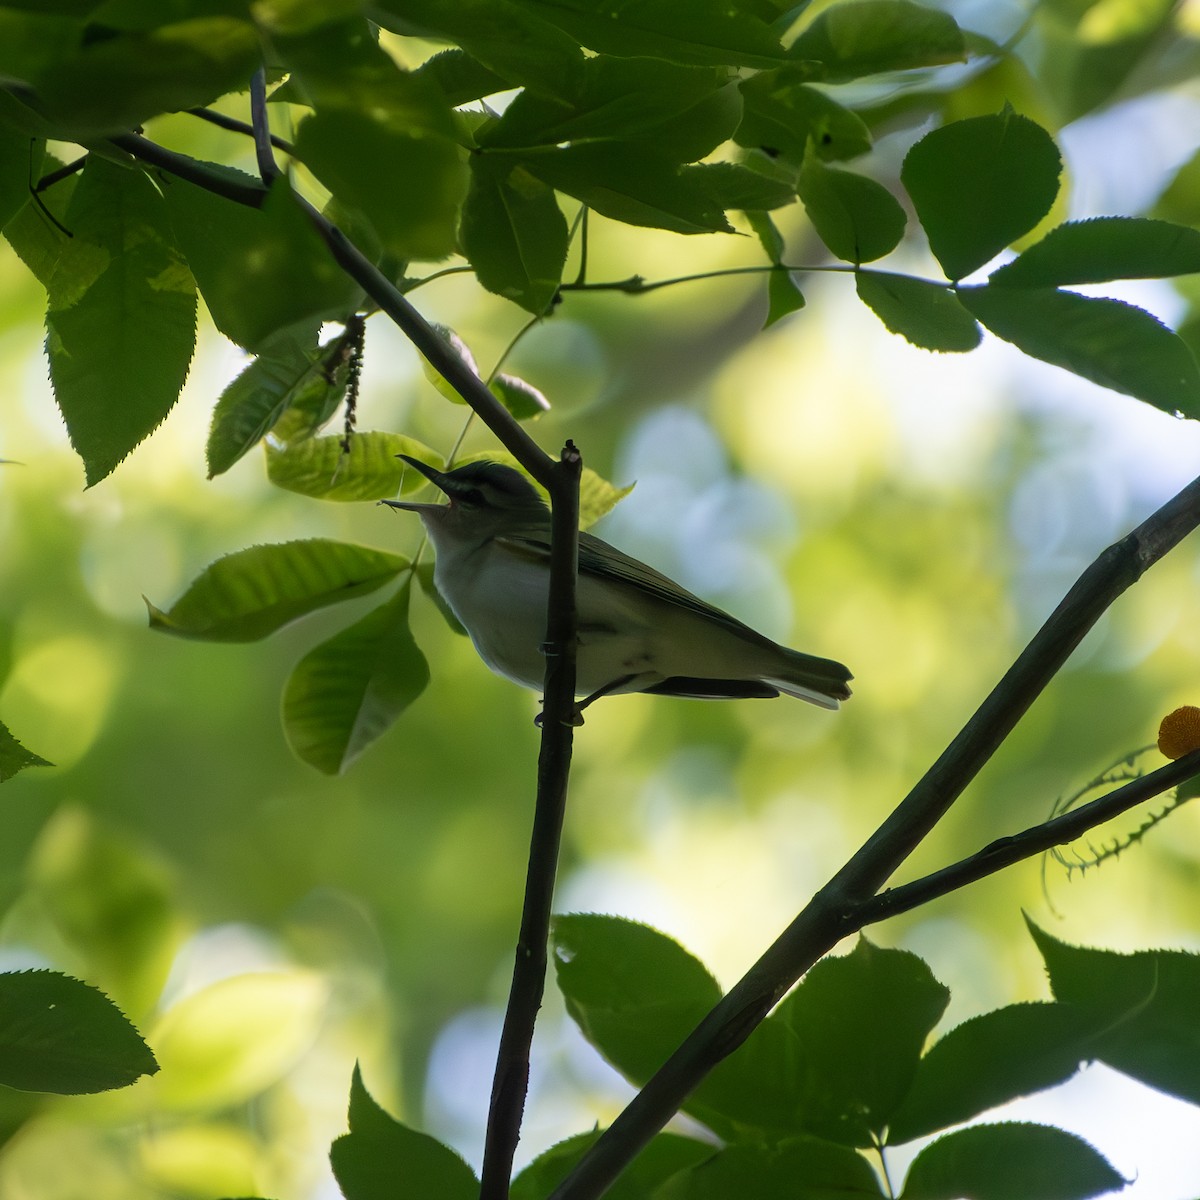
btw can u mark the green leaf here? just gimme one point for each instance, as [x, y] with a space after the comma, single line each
[857, 218]
[783, 296]
[683, 113]
[865, 37]
[1010, 1162]
[344, 695]
[1102, 249]
[287, 364]
[801, 1167]
[1111, 343]
[409, 186]
[861, 1021]
[629, 183]
[927, 314]
[37, 241]
[988, 1061]
[459, 77]
[713, 34]
[782, 115]
[1180, 202]
[731, 185]
[768, 235]
[320, 468]
[121, 322]
[259, 270]
[20, 161]
[14, 757]
[251, 593]
[634, 992]
[660, 1160]
[521, 399]
[60, 1035]
[513, 233]
[1143, 1004]
[381, 1159]
[118, 82]
[979, 184]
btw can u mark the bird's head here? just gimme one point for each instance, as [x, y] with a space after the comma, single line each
[485, 499]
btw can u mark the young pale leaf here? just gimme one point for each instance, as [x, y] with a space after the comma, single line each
[119, 81]
[513, 233]
[1111, 343]
[861, 1021]
[634, 992]
[927, 314]
[865, 37]
[1002, 1162]
[381, 1159]
[521, 399]
[121, 321]
[714, 33]
[1144, 1004]
[251, 593]
[344, 695]
[989, 1060]
[1102, 249]
[782, 115]
[320, 468]
[632, 184]
[857, 218]
[58, 1034]
[255, 400]
[409, 186]
[800, 1167]
[783, 296]
[979, 184]
[259, 270]
[663, 1158]
[14, 757]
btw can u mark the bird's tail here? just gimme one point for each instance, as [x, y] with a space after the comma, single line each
[817, 680]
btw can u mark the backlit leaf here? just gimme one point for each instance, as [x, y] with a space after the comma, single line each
[319, 467]
[925, 313]
[857, 218]
[521, 399]
[783, 115]
[14, 757]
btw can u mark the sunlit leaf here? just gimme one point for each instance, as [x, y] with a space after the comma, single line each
[513, 233]
[121, 323]
[521, 399]
[857, 218]
[251, 593]
[14, 757]
[1001, 1162]
[925, 313]
[865, 37]
[58, 1034]
[1107, 341]
[1102, 249]
[344, 695]
[979, 184]
[321, 468]
[381, 1159]
[231, 1040]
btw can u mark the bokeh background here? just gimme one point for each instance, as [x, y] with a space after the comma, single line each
[914, 515]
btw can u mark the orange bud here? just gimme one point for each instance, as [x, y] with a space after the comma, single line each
[1179, 733]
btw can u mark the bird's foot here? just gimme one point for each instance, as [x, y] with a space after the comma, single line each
[575, 720]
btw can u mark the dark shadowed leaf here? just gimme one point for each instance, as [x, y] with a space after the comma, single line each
[381, 1159]
[20, 161]
[459, 77]
[857, 218]
[58, 1034]
[865, 37]
[321, 468]
[513, 233]
[979, 184]
[1102, 249]
[121, 321]
[1010, 1162]
[251, 593]
[1111, 343]
[731, 185]
[927, 314]
[989, 1060]
[14, 757]
[783, 115]
[349, 691]
[861, 1022]
[801, 1167]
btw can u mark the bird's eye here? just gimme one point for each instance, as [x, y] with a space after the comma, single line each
[472, 496]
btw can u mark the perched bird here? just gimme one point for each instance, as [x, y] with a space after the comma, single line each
[638, 630]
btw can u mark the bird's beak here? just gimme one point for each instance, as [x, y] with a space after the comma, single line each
[431, 473]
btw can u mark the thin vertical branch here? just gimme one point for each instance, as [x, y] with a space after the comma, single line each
[268, 168]
[511, 1082]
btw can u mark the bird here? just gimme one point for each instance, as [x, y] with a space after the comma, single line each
[638, 630]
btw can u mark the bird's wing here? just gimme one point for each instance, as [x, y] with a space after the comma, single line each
[602, 561]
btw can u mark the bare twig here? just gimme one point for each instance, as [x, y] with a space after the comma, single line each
[233, 125]
[268, 168]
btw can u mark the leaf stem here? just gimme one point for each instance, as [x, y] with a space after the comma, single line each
[635, 285]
